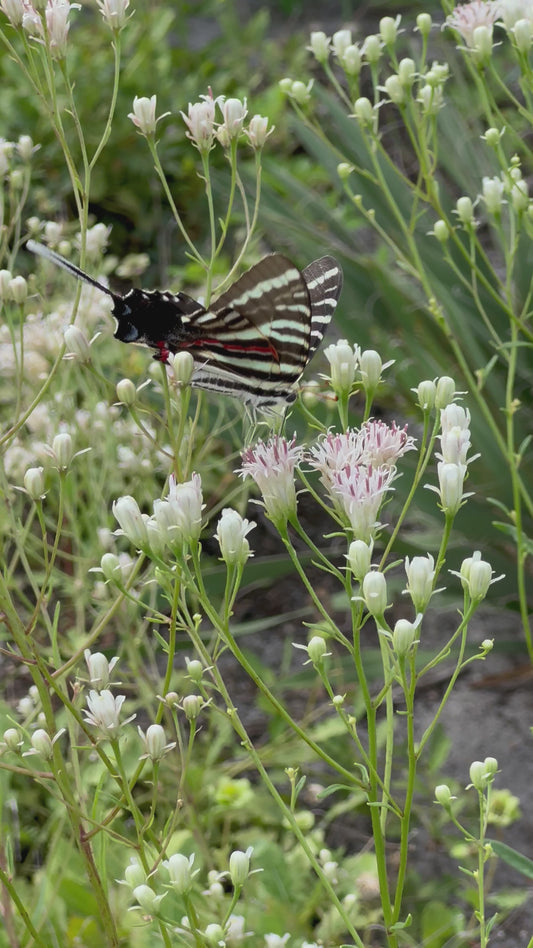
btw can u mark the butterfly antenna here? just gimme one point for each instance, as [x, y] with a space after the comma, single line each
[42, 251]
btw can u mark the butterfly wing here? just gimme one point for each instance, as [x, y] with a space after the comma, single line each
[323, 279]
[254, 340]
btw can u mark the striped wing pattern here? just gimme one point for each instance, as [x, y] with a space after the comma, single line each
[257, 338]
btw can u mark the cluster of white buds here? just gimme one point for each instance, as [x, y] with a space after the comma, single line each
[204, 129]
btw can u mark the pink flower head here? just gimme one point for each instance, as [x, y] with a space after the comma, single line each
[272, 467]
[467, 17]
[334, 453]
[384, 444]
[360, 491]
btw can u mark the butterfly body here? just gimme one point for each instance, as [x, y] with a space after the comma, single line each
[252, 342]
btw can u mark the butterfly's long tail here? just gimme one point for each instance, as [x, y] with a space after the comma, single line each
[42, 251]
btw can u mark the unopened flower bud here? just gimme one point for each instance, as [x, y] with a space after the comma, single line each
[451, 478]
[523, 35]
[258, 130]
[154, 741]
[25, 147]
[370, 366]
[343, 360]
[5, 279]
[476, 576]
[443, 795]
[319, 46]
[340, 42]
[42, 744]
[492, 193]
[492, 137]
[344, 170]
[195, 670]
[62, 450]
[426, 394]
[441, 231]
[192, 705]
[239, 867]
[374, 591]
[181, 873]
[98, 666]
[231, 535]
[482, 772]
[134, 873]
[420, 576]
[143, 115]
[147, 899]
[131, 521]
[360, 558]
[395, 90]
[403, 636]
[352, 60]
[34, 482]
[12, 739]
[372, 49]
[465, 210]
[126, 392]
[445, 391]
[77, 343]
[482, 42]
[388, 30]
[18, 289]
[183, 367]
[317, 649]
[214, 935]
[424, 23]
[110, 566]
[363, 111]
[407, 72]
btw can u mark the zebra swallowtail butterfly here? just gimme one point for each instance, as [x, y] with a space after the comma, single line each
[253, 342]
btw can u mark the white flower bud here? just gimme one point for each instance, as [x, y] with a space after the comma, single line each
[520, 195]
[183, 367]
[476, 576]
[98, 666]
[523, 35]
[131, 521]
[231, 534]
[110, 566]
[443, 795]
[343, 359]
[25, 147]
[493, 137]
[388, 30]
[14, 10]
[403, 636]
[319, 46]
[424, 23]
[239, 867]
[18, 289]
[62, 450]
[482, 43]
[420, 576]
[317, 649]
[370, 366]
[374, 589]
[134, 873]
[114, 12]
[465, 210]
[12, 739]
[482, 772]
[154, 741]
[445, 391]
[181, 873]
[344, 170]
[441, 231]
[77, 343]
[352, 60]
[407, 72]
[451, 477]
[360, 558]
[363, 111]
[426, 394]
[492, 194]
[126, 392]
[372, 49]
[143, 115]
[147, 899]
[195, 670]
[214, 935]
[192, 705]
[258, 130]
[34, 482]
[301, 92]
[5, 279]
[395, 90]
[42, 744]
[340, 42]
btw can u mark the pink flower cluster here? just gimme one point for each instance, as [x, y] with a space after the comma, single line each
[357, 468]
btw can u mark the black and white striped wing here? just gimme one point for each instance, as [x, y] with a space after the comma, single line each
[323, 279]
[255, 339]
